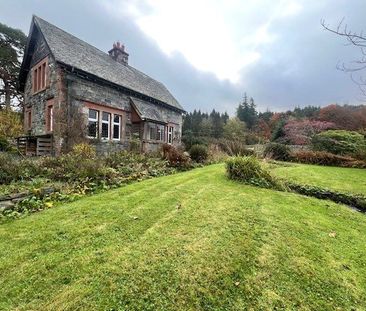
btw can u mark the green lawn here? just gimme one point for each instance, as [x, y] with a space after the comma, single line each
[342, 179]
[227, 247]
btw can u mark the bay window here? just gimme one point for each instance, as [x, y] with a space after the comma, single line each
[157, 132]
[152, 132]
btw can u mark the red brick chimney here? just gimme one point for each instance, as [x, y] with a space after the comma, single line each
[118, 53]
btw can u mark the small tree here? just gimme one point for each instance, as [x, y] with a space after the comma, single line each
[10, 127]
[234, 129]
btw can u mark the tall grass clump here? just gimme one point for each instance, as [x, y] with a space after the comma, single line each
[249, 170]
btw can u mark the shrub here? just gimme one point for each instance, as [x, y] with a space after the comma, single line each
[339, 142]
[176, 157]
[198, 153]
[72, 167]
[4, 144]
[135, 143]
[215, 154]
[189, 139]
[84, 151]
[234, 147]
[249, 170]
[13, 168]
[326, 158]
[357, 201]
[277, 151]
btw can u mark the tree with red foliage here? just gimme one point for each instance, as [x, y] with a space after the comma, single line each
[344, 117]
[263, 129]
[300, 132]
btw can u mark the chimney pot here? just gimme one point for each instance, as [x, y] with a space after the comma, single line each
[118, 53]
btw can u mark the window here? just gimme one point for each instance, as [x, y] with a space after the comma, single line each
[93, 123]
[104, 122]
[160, 132]
[116, 127]
[157, 132]
[170, 134]
[152, 132]
[28, 118]
[49, 116]
[106, 119]
[40, 76]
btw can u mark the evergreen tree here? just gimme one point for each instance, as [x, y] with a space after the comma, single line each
[206, 127]
[278, 131]
[247, 112]
[217, 124]
[12, 44]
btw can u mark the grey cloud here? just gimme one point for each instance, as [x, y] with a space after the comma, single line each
[297, 69]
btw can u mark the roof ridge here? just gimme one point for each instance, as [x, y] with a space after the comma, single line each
[82, 55]
[70, 34]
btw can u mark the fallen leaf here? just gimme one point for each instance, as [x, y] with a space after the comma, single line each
[332, 234]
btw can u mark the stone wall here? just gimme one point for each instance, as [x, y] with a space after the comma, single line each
[38, 101]
[9, 201]
[69, 94]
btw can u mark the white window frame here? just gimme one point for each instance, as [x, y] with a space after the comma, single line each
[152, 132]
[170, 134]
[108, 122]
[50, 115]
[94, 120]
[117, 124]
[160, 131]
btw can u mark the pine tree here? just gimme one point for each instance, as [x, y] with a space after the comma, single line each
[247, 112]
[12, 44]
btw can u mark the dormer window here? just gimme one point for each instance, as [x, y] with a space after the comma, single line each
[39, 76]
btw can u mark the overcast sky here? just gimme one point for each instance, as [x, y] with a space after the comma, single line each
[209, 52]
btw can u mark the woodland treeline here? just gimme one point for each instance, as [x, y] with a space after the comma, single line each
[295, 127]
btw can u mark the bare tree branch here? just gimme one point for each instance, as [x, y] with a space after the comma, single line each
[357, 39]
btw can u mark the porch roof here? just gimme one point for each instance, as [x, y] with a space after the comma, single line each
[147, 111]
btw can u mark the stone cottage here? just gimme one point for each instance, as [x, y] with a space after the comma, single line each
[74, 93]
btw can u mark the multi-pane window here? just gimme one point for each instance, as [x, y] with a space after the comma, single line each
[106, 120]
[170, 134]
[152, 132]
[103, 124]
[157, 132]
[93, 123]
[40, 76]
[116, 127]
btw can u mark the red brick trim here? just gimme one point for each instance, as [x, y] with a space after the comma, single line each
[104, 107]
[28, 118]
[47, 114]
[112, 111]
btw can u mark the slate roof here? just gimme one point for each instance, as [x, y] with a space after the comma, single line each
[147, 111]
[72, 51]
